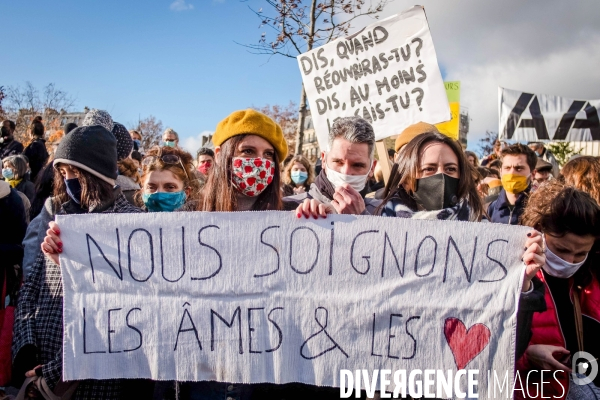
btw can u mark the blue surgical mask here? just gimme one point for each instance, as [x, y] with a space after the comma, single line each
[169, 143]
[299, 177]
[74, 189]
[8, 173]
[164, 201]
[138, 142]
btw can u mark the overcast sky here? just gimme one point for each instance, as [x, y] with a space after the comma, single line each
[178, 60]
[548, 47]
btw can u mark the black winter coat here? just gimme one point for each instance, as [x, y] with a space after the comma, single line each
[38, 326]
[27, 188]
[12, 215]
[11, 148]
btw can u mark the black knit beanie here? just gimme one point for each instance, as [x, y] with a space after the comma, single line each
[91, 148]
[69, 127]
[124, 141]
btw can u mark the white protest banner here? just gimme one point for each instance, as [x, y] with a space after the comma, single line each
[538, 117]
[386, 73]
[264, 297]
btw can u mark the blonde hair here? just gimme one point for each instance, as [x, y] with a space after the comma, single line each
[132, 131]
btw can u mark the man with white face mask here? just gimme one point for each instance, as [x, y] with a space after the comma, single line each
[347, 166]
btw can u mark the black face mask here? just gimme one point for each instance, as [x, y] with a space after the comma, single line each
[74, 189]
[436, 192]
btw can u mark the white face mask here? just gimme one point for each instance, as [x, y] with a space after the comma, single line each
[559, 268]
[337, 179]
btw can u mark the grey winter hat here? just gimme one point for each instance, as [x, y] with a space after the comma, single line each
[98, 117]
[92, 149]
[124, 141]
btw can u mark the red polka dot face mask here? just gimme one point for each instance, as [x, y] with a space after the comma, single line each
[251, 176]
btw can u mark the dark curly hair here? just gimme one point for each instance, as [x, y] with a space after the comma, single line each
[558, 209]
[518, 149]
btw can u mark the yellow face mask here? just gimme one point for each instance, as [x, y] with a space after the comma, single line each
[514, 183]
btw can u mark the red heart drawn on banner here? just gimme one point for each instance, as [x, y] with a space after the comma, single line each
[465, 344]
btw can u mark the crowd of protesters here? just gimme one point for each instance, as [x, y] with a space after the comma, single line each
[101, 167]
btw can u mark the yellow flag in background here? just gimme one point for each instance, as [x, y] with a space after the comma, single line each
[450, 128]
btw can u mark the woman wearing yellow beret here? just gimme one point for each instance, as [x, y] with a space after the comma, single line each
[246, 176]
[248, 149]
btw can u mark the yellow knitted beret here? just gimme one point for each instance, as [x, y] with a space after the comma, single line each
[251, 122]
[414, 130]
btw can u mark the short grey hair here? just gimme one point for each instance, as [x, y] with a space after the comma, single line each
[354, 130]
[170, 130]
[19, 164]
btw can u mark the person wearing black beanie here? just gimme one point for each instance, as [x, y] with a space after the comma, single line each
[124, 141]
[69, 127]
[91, 148]
[85, 172]
[128, 175]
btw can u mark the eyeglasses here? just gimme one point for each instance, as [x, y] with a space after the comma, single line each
[165, 159]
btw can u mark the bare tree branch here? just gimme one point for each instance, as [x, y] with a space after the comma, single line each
[2, 97]
[301, 25]
[151, 130]
[23, 103]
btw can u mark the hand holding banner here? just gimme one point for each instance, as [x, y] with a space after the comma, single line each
[263, 297]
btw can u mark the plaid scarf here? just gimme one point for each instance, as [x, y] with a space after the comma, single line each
[459, 212]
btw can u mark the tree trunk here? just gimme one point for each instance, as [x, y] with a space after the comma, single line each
[302, 109]
[301, 119]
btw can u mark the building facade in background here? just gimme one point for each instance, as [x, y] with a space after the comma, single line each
[310, 145]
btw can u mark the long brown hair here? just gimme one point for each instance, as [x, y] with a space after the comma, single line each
[94, 190]
[584, 174]
[287, 172]
[219, 193]
[406, 169]
[129, 169]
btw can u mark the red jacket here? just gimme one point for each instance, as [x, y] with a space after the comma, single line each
[546, 329]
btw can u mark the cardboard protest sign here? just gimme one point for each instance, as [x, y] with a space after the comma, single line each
[264, 297]
[538, 117]
[386, 73]
[451, 128]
